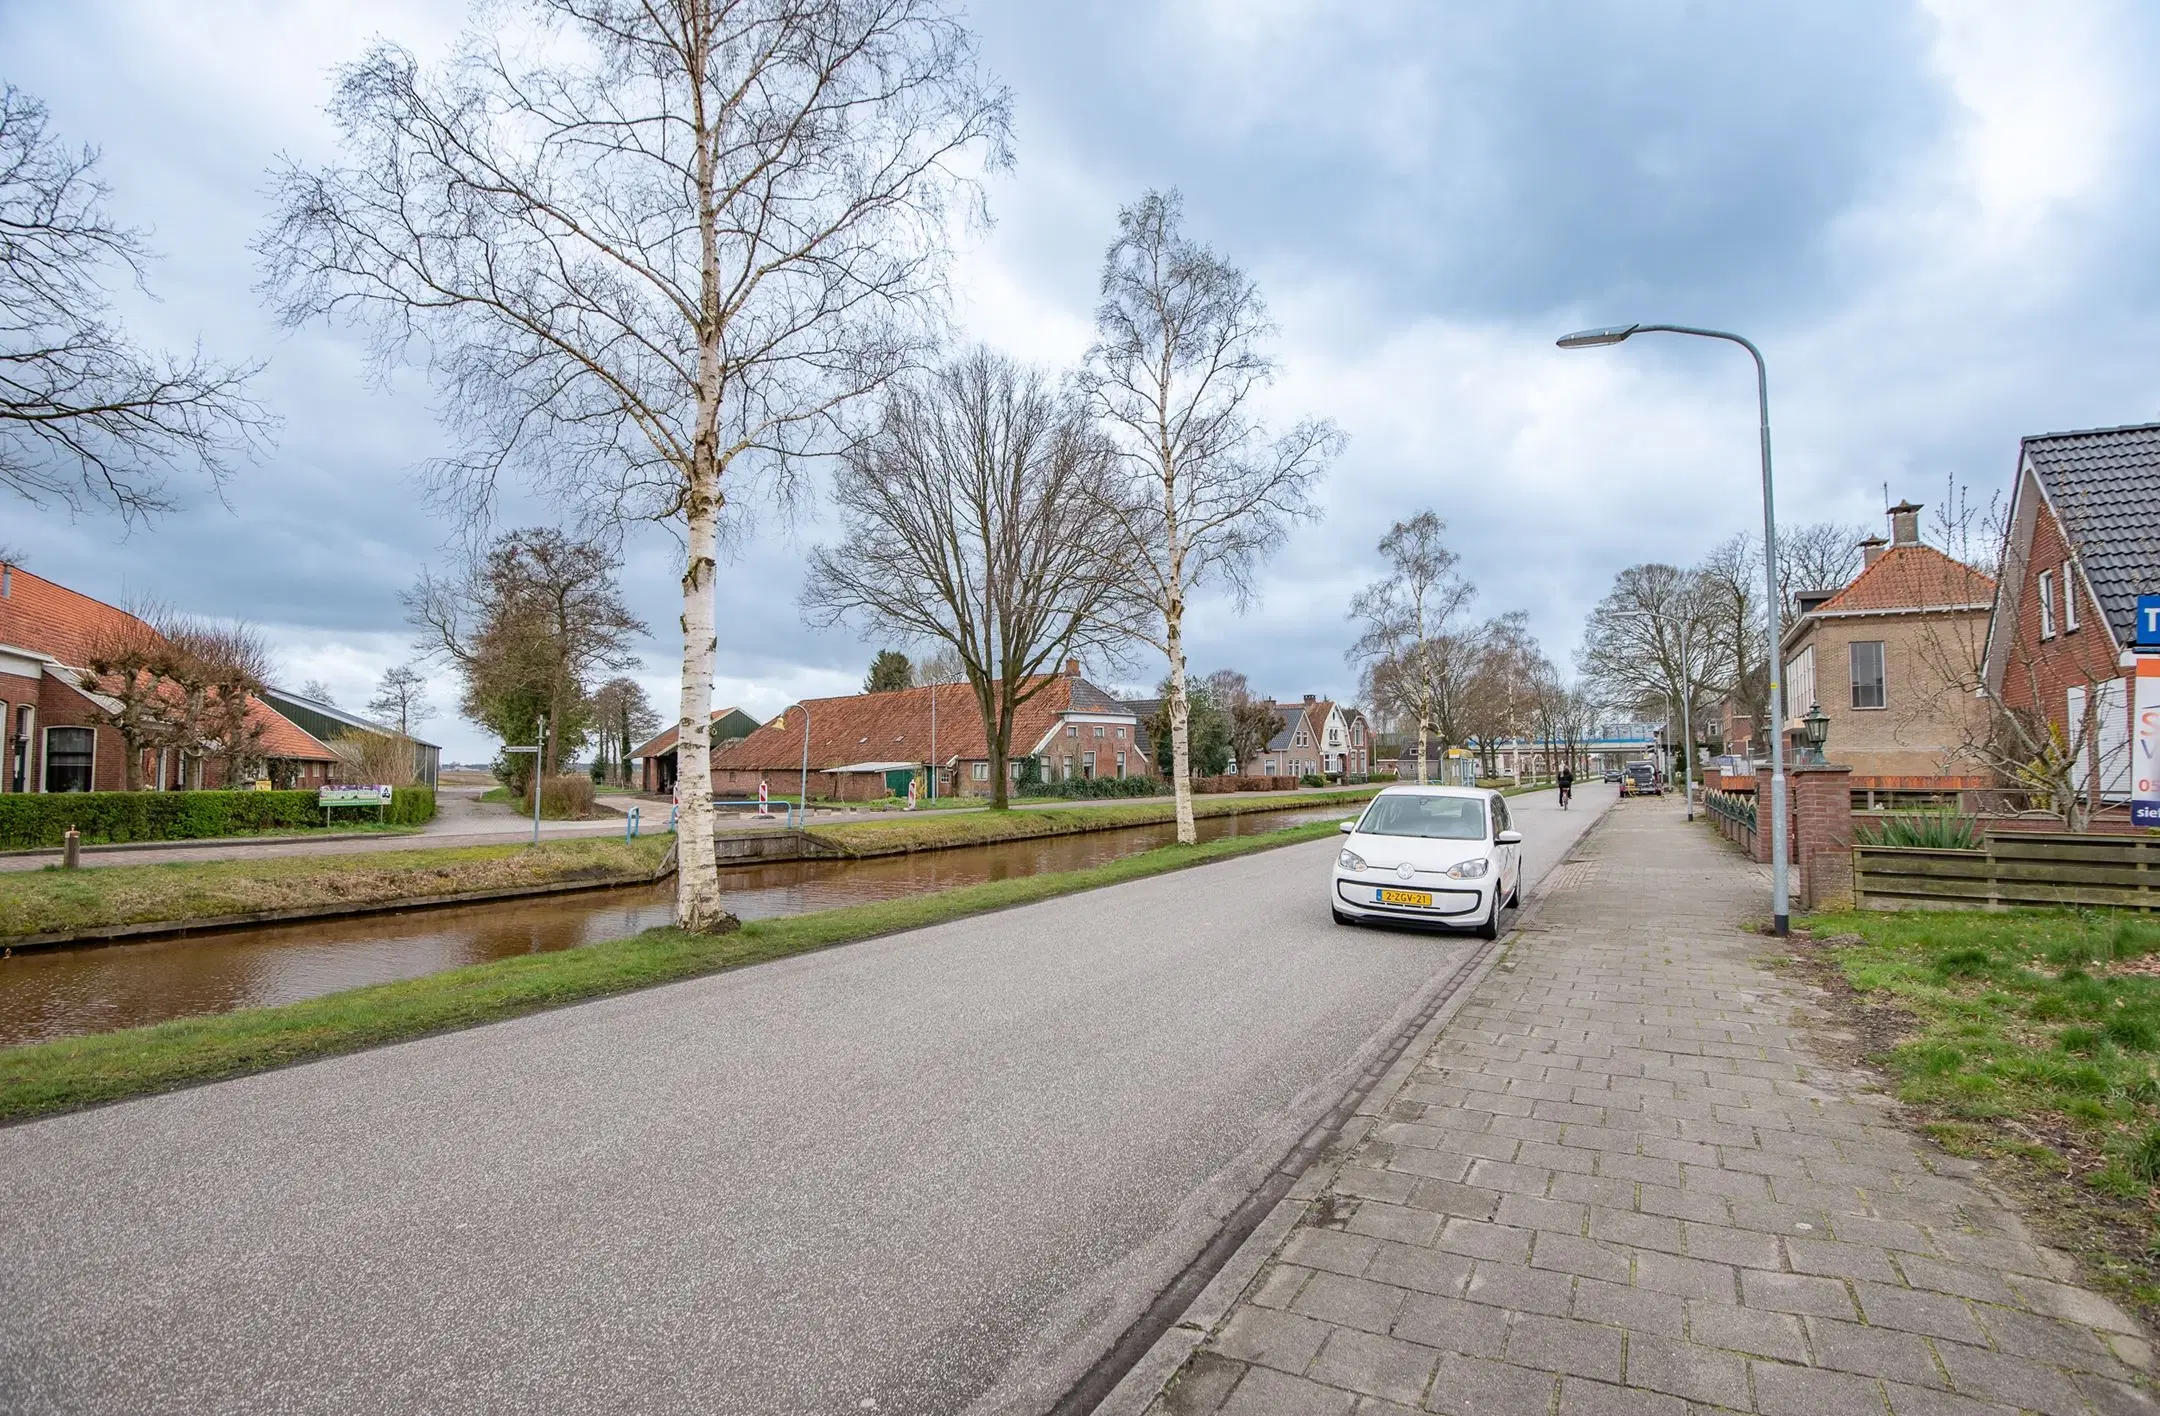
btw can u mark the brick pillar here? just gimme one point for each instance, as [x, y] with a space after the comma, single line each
[1760, 847]
[1823, 834]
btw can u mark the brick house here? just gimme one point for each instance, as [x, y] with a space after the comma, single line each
[2084, 540]
[862, 744]
[656, 756]
[55, 740]
[1890, 658]
[1318, 735]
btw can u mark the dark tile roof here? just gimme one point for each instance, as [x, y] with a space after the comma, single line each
[2105, 486]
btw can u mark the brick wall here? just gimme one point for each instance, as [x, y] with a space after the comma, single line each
[2039, 673]
[1926, 720]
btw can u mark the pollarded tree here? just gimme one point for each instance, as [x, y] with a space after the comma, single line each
[971, 523]
[1252, 720]
[1402, 614]
[1651, 643]
[1205, 493]
[88, 419]
[647, 250]
[401, 697]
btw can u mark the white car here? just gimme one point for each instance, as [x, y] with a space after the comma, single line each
[1438, 855]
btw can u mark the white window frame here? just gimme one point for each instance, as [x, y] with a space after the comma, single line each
[1099, 732]
[981, 772]
[2069, 599]
[2047, 604]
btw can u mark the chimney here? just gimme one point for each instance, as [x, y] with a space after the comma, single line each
[1312, 698]
[7, 581]
[1905, 524]
[1871, 551]
[1072, 668]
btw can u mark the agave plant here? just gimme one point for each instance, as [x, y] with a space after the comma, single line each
[1923, 830]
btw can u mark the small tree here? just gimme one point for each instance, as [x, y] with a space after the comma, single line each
[1252, 720]
[970, 520]
[129, 666]
[623, 718]
[319, 691]
[1403, 613]
[1204, 492]
[401, 698]
[889, 671]
[1651, 643]
[1207, 730]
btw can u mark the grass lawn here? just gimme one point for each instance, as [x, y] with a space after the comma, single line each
[2032, 1036]
[78, 1071]
[886, 834]
[52, 900]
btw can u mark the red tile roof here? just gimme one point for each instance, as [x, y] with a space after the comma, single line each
[1913, 577]
[895, 727]
[63, 625]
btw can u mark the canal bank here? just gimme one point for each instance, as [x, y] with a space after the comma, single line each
[76, 1071]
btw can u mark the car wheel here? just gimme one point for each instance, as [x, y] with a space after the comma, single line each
[1490, 929]
[1340, 917]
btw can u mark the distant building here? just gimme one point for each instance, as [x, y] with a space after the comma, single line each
[656, 756]
[1317, 736]
[328, 722]
[51, 705]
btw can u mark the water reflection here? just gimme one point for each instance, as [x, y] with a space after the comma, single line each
[44, 995]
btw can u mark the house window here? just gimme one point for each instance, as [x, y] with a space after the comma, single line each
[2070, 619]
[1799, 685]
[1012, 770]
[1121, 734]
[2047, 604]
[1270, 772]
[69, 755]
[982, 771]
[1357, 735]
[1121, 764]
[1098, 730]
[1867, 674]
[18, 749]
[1071, 731]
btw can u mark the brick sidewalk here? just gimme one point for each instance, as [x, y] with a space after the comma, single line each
[1620, 1182]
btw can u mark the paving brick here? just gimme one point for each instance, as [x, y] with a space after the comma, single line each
[1549, 1155]
[1425, 1270]
[1747, 1330]
[1960, 1279]
[1535, 1212]
[1683, 1204]
[1608, 1190]
[1796, 1293]
[1279, 1284]
[1265, 1393]
[1284, 1341]
[1485, 1241]
[2111, 1398]
[1439, 1165]
[1564, 1345]
[1831, 1259]
[1513, 1179]
[1528, 1290]
[1397, 1222]
[1932, 1401]
[1448, 1197]
[2050, 1340]
[1376, 1366]
[1782, 1390]
[1998, 1376]
[1350, 1302]
[1685, 1369]
[2075, 1304]
[1202, 1385]
[1721, 1244]
[1640, 1231]
[1327, 1249]
[1452, 1325]
[1571, 1254]
[1685, 1278]
[1368, 1183]
[1579, 1397]
[1636, 1309]
[1905, 1310]
[1875, 1352]
[1470, 1386]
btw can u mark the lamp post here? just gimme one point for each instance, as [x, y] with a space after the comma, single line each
[803, 790]
[1780, 894]
[1816, 728]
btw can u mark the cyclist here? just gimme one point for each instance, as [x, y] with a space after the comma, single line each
[1567, 786]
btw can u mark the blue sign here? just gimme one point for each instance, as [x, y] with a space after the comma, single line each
[2148, 622]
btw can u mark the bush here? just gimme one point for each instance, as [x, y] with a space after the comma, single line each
[1312, 779]
[567, 798]
[1924, 830]
[1097, 788]
[411, 806]
[30, 821]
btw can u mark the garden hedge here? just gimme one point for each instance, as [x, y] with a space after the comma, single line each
[30, 821]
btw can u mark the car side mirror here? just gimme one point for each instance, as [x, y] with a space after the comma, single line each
[1348, 827]
[1508, 838]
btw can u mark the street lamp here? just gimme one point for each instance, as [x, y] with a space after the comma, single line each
[803, 790]
[1780, 895]
[1816, 727]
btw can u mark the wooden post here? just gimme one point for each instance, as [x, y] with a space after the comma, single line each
[71, 850]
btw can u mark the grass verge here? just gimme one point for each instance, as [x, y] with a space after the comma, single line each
[53, 901]
[79, 1071]
[888, 835]
[2030, 1038]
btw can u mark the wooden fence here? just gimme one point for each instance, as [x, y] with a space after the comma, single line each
[2013, 868]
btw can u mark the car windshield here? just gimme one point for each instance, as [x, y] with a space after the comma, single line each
[1447, 818]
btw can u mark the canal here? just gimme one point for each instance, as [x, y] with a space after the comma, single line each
[69, 991]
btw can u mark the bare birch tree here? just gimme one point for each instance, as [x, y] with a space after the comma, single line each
[1649, 644]
[971, 523]
[647, 249]
[87, 418]
[1404, 612]
[1175, 372]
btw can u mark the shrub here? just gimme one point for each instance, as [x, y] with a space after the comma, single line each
[565, 798]
[411, 806]
[31, 820]
[1096, 788]
[1312, 779]
[2144, 1156]
[1922, 830]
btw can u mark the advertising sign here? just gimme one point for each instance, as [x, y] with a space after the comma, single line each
[352, 796]
[2148, 622]
[2145, 778]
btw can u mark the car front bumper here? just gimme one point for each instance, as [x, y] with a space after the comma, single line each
[1458, 902]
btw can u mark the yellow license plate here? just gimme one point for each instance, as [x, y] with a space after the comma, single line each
[1420, 898]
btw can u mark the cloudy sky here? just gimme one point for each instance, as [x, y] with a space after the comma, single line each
[1934, 218]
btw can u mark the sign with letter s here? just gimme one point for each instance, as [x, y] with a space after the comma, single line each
[2145, 778]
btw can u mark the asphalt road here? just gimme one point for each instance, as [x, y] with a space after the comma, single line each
[930, 1173]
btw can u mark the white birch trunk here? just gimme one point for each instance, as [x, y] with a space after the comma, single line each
[1421, 750]
[1180, 735]
[697, 870]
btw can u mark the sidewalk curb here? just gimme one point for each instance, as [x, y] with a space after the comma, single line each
[1150, 1376]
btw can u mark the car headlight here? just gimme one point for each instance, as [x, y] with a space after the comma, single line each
[1351, 860]
[1469, 869]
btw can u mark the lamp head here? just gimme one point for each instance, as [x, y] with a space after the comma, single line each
[1593, 338]
[1817, 727]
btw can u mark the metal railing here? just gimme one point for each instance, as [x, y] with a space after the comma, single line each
[792, 809]
[1736, 807]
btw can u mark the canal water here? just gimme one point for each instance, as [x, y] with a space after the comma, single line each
[63, 992]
